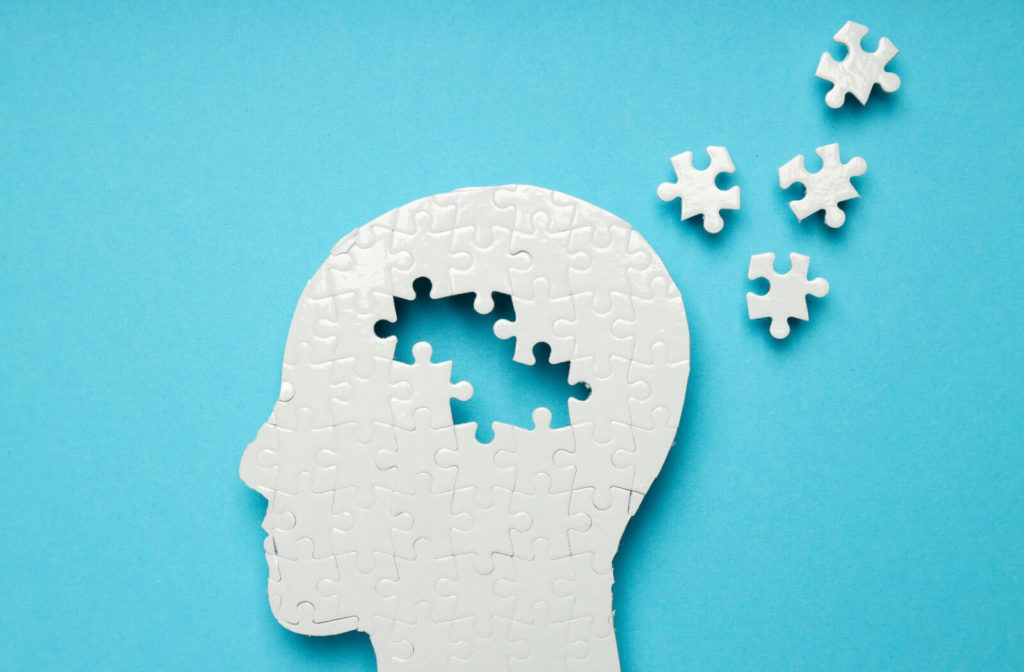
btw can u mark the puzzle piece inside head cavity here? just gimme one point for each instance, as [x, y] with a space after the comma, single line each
[825, 189]
[697, 191]
[387, 517]
[860, 70]
[787, 295]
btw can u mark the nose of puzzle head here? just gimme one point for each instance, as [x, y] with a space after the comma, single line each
[252, 473]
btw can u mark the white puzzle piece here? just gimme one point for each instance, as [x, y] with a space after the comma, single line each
[697, 191]
[386, 516]
[825, 189]
[860, 70]
[787, 295]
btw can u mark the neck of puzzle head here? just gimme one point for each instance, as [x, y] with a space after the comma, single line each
[572, 630]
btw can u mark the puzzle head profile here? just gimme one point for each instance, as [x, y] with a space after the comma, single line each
[385, 516]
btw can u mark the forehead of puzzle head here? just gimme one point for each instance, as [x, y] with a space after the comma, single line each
[581, 279]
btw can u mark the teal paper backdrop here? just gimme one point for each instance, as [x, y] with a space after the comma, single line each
[171, 174]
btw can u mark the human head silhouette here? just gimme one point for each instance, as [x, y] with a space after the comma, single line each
[385, 516]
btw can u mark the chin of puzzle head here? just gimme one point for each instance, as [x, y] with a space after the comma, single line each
[385, 516]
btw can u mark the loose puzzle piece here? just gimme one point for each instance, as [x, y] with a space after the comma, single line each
[825, 189]
[787, 295]
[386, 516]
[860, 70]
[697, 191]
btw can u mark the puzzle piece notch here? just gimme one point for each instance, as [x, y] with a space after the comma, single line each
[787, 294]
[697, 191]
[859, 70]
[825, 189]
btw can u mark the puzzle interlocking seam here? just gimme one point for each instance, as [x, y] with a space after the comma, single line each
[385, 516]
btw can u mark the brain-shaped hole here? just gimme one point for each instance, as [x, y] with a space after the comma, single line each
[504, 390]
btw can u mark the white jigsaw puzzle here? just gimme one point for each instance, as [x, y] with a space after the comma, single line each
[825, 189]
[860, 70]
[386, 516]
[787, 294]
[697, 191]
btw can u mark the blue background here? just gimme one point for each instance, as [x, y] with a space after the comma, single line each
[848, 499]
